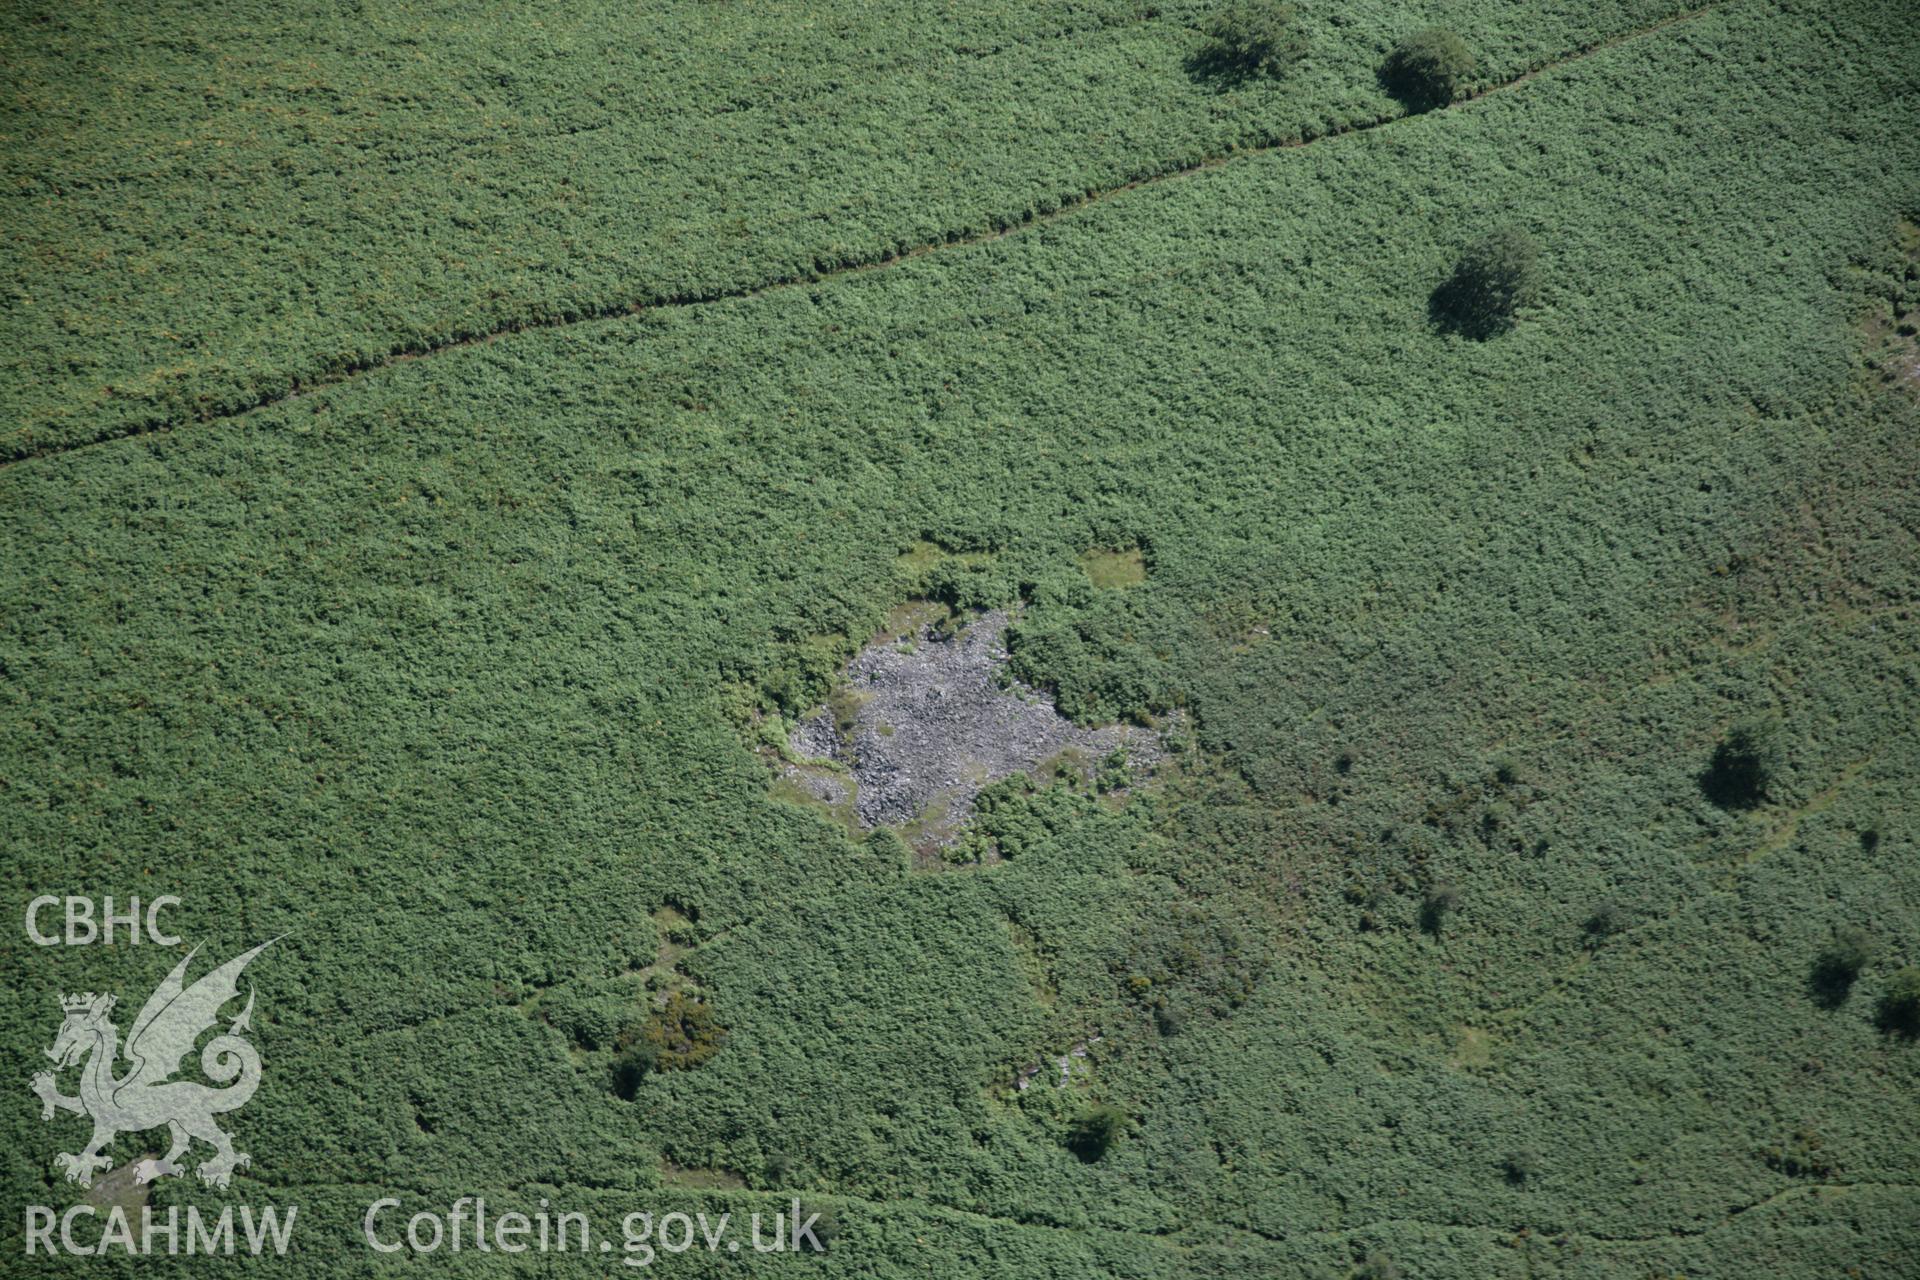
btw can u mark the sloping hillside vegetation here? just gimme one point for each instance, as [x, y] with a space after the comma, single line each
[207, 206]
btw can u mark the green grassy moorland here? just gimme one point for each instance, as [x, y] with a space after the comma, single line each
[1434, 949]
[200, 205]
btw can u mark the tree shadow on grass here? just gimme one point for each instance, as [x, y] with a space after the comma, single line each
[1733, 782]
[1829, 985]
[1897, 1026]
[1453, 308]
[1226, 69]
[1743, 765]
[1411, 92]
[1898, 1013]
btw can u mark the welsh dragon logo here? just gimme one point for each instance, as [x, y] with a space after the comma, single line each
[146, 1096]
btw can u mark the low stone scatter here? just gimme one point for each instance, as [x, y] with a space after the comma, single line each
[934, 718]
[822, 786]
[1065, 1063]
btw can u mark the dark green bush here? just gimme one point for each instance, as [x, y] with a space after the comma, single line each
[1427, 69]
[1261, 38]
[678, 1036]
[1606, 919]
[889, 848]
[1743, 765]
[1800, 1156]
[1900, 1005]
[1437, 906]
[631, 1065]
[1094, 1131]
[1839, 964]
[1014, 815]
[1101, 655]
[969, 586]
[1521, 1167]
[1493, 279]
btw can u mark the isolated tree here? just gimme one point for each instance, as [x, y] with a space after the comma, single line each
[1839, 964]
[1094, 1131]
[1521, 1167]
[677, 1036]
[1427, 69]
[1439, 903]
[631, 1064]
[1800, 1156]
[1258, 38]
[1606, 919]
[1900, 1005]
[1493, 279]
[1743, 765]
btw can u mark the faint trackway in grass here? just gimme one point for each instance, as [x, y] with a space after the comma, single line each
[1778, 836]
[953, 241]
